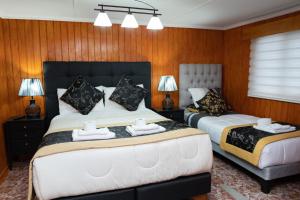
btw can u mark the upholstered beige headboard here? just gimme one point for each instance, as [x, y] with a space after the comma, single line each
[195, 76]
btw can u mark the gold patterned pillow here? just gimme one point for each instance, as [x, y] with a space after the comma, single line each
[213, 103]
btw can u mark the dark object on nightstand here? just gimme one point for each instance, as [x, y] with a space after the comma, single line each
[167, 84]
[22, 137]
[31, 87]
[175, 114]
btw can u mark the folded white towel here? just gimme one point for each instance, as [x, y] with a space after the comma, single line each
[276, 128]
[77, 137]
[264, 121]
[147, 127]
[100, 131]
[130, 130]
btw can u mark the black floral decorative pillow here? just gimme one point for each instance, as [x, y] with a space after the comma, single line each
[213, 103]
[218, 91]
[128, 94]
[192, 108]
[82, 96]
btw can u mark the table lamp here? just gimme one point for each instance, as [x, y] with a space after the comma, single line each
[167, 84]
[31, 87]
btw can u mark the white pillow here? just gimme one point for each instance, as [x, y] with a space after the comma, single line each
[197, 94]
[113, 105]
[142, 105]
[65, 108]
[108, 104]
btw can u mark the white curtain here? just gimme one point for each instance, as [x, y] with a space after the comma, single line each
[275, 67]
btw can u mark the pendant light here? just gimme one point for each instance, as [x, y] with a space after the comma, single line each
[129, 21]
[155, 23]
[102, 20]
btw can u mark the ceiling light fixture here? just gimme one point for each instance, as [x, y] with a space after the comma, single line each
[155, 23]
[129, 20]
[102, 19]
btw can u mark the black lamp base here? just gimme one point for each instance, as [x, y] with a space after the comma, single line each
[33, 110]
[168, 103]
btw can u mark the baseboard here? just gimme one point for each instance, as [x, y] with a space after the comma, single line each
[3, 174]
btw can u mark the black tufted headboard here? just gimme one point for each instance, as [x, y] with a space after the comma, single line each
[62, 74]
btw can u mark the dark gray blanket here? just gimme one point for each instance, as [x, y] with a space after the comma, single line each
[193, 119]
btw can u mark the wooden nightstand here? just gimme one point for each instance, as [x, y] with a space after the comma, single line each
[22, 137]
[175, 114]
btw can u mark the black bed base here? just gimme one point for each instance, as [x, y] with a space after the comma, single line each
[178, 189]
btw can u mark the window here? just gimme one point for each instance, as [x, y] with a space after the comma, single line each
[275, 67]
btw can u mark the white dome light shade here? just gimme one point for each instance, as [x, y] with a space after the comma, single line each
[102, 20]
[129, 22]
[155, 23]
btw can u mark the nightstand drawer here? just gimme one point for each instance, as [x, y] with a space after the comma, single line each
[25, 146]
[172, 115]
[23, 126]
[24, 134]
[23, 130]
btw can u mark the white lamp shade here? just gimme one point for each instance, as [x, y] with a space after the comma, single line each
[31, 87]
[129, 22]
[102, 20]
[155, 23]
[167, 84]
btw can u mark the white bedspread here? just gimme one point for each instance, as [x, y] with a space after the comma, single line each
[97, 170]
[276, 153]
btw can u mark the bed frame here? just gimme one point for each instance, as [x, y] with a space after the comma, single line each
[210, 76]
[62, 74]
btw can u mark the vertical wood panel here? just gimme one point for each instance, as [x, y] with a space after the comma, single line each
[64, 41]
[103, 44]
[91, 42]
[84, 41]
[26, 44]
[97, 43]
[4, 109]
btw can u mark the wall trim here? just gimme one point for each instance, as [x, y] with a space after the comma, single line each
[264, 17]
[3, 174]
[87, 20]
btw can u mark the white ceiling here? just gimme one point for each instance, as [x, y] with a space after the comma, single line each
[212, 14]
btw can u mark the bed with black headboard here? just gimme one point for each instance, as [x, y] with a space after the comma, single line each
[61, 75]
[279, 159]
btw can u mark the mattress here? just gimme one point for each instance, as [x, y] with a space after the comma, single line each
[98, 170]
[276, 153]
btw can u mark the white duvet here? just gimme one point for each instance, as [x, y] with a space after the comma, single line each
[276, 153]
[97, 170]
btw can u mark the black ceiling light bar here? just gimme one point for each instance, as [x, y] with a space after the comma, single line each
[129, 21]
[129, 9]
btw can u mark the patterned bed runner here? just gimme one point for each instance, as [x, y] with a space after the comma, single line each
[246, 142]
[66, 136]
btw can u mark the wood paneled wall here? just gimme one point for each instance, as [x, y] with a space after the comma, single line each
[236, 69]
[25, 44]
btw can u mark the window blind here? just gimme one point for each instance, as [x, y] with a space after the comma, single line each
[274, 71]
